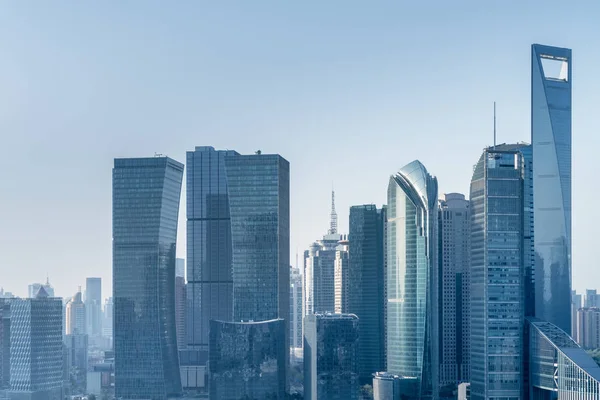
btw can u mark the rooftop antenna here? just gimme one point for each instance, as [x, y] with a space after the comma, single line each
[494, 125]
[333, 215]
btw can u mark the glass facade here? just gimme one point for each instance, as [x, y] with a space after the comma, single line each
[366, 292]
[36, 348]
[560, 369]
[209, 254]
[331, 357]
[93, 306]
[497, 270]
[551, 140]
[146, 195]
[412, 327]
[259, 203]
[247, 360]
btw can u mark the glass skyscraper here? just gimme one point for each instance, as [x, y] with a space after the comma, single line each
[366, 292]
[93, 306]
[248, 360]
[36, 348]
[209, 254]
[146, 195]
[259, 204]
[331, 357]
[412, 327]
[551, 140]
[497, 274]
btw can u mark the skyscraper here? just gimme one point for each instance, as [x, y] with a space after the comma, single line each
[341, 279]
[36, 348]
[107, 324]
[248, 360]
[34, 288]
[331, 357]
[412, 327]
[366, 292]
[497, 274]
[209, 254]
[93, 306]
[591, 298]
[295, 308]
[76, 315]
[319, 269]
[4, 344]
[454, 290]
[146, 195]
[180, 302]
[551, 141]
[259, 203]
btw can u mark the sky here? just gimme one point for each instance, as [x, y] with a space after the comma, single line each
[347, 91]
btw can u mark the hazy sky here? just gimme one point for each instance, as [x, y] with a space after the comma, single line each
[347, 91]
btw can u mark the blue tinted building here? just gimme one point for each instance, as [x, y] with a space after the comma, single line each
[209, 255]
[366, 294]
[497, 274]
[36, 348]
[259, 204]
[331, 369]
[551, 141]
[412, 326]
[248, 360]
[146, 195]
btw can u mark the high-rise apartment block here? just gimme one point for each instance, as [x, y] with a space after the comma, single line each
[93, 306]
[412, 270]
[146, 195]
[209, 253]
[551, 141]
[587, 333]
[331, 357]
[497, 274]
[591, 298]
[365, 293]
[36, 348]
[454, 288]
[248, 360]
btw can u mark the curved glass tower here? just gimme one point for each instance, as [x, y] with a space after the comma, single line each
[551, 141]
[412, 278]
[145, 209]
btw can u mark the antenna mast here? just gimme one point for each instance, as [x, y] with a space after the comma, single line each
[333, 223]
[494, 125]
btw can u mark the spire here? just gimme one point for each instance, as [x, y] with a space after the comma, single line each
[333, 223]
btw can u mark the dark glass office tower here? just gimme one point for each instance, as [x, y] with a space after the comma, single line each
[248, 360]
[209, 259]
[366, 294]
[93, 306]
[146, 195]
[551, 141]
[412, 314]
[259, 204]
[497, 274]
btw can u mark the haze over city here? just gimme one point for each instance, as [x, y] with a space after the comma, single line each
[347, 92]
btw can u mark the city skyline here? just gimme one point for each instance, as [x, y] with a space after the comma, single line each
[462, 123]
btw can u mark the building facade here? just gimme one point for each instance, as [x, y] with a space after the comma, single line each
[247, 360]
[591, 298]
[34, 288]
[93, 306]
[295, 308]
[107, 323]
[341, 281]
[36, 348]
[551, 140]
[77, 362]
[146, 194]
[331, 357]
[412, 326]
[259, 203]
[497, 274]
[454, 290]
[4, 344]
[180, 302]
[75, 315]
[209, 252]
[588, 328]
[366, 290]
